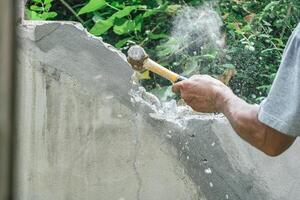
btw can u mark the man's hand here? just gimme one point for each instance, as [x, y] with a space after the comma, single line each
[206, 94]
[203, 93]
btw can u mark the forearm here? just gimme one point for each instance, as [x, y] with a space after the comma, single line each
[244, 119]
[206, 94]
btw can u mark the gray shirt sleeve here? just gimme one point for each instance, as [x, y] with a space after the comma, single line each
[281, 109]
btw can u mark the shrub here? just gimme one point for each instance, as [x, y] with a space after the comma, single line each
[255, 33]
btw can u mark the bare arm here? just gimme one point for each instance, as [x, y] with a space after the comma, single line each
[244, 119]
[206, 94]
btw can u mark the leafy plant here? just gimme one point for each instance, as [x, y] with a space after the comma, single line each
[255, 34]
[40, 10]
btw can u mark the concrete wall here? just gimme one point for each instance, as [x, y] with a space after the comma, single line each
[82, 136]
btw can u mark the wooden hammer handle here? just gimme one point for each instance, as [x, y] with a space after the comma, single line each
[162, 71]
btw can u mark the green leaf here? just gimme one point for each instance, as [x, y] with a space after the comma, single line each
[34, 15]
[47, 7]
[36, 8]
[120, 28]
[123, 26]
[48, 15]
[102, 26]
[47, 1]
[92, 6]
[272, 76]
[231, 26]
[246, 28]
[96, 17]
[228, 66]
[271, 5]
[138, 21]
[264, 36]
[151, 12]
[125, 12]
[123, 42]
[270, 50]
[154, 36]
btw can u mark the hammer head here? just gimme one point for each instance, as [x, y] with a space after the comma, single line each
[136, 57]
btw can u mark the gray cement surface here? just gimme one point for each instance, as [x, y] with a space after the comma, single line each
[82, 136]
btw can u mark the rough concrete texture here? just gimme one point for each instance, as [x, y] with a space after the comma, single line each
[82, 136]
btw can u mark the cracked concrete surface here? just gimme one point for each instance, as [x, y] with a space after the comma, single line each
[136, 161]
[81, 136]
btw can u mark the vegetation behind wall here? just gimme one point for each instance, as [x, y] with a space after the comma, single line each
[254, 33]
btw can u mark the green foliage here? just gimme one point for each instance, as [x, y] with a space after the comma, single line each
[40, 10]
[120, 22]
[92, 6]
[256, 33]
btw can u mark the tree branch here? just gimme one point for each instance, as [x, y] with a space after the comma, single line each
[72, 11]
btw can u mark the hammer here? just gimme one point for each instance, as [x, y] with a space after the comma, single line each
[140, 61]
